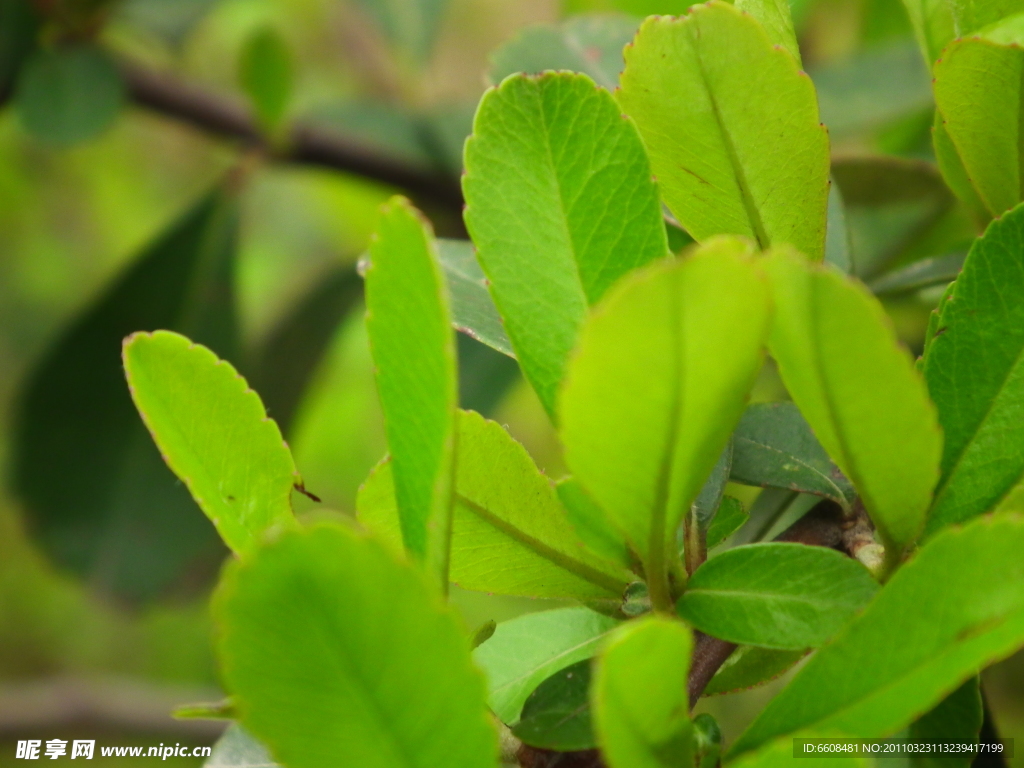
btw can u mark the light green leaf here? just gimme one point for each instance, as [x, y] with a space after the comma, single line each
[560, 203]
[955, 175]
[777, 20]
[265, 74]
[589, 44]
[69, 95]
[639, 698]
[859, 391]
[591, 523]
[773, 446]
[395, 688]
[978, 92]
[750, 666]
[776, 595]
[529, 649]
[213, 431]
[557, 715]
[957, 717]
[409, 323]
[896, 660]
[779, 754]
[237, 749]
[933, 26]
[975, 372]
[652, 7]
[510, 534]
[642, 446]
[730, 517]
[732, 128]
[971, 15]
[473, 310]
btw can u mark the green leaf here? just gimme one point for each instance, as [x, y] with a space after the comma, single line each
[265, 74]
[560, 203]
[896, 661]
[237, 749]
[411, 26]
[118, 516]
[955, 175]
[933, 26]
[19, 30]
[591, 45]
[510, 534]
[776, 595]
[838, 244]
[591, 523]
[643, 446]
[773, 446]
[925, 273]
[779, 754]
[957, 717]
[977, 91]
[69, 95]
[409, 323]
[750, 666]
[693, 534]
[971, 15]
[213, 432]
[557, 714]
[395, 688]
[527, 650]
[732, 128]
[639, 696]
[975, 373]
[652, 7]
[859, 391]
[776, 19]
[473, 310]
[730, 517]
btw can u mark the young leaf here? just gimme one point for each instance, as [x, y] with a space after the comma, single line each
[643, 446]
[858, 389]
[933, 26]
[591, 45]
[69, 95]
[896, 660]
[639, 698]
[977, 91]
[749, 667]
[560, 203]
[730, 517]
[473, 310]
[394, 688]
[237, 749]
[265, 74]
[731, 126]
[529, 649]
[214, 434]
[975, 375]
[773, 446]
[957, 717]
[776, 595]
[557, 714]
[409, 323]
[118, 516]
[510, 534]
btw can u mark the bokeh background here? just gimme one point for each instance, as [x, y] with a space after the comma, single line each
[105, 564]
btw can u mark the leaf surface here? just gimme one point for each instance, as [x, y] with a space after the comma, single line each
[642, 446]
[409, 323]
[975, 372]
[859, 391]
[776, 595]
[865, 684]
[473, 310]
[395, 689]
[213, 432]
[729, 157]
[560, 203]
[730, 517]
[527, 650]
[265, 74]
[639, 698]
[957, 717]
[933, 25]
[750, 666]
[557, 714]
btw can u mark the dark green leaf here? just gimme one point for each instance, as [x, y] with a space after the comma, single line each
[410, 25]
[265, 74]
[117, 514]
[750, 666]
[776, 595]
[473, 310]
[838, 248]
[557, 714]
[395, 688]
[19, 28]
[774, 446]
[485, 375]
[957, 717]
[588, 44]
[731, 515]
[974, 371]
[68, 95]
[706, 504]
[925, 273]
[896, 660]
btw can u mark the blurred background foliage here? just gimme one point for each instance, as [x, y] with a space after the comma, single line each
[215, 166]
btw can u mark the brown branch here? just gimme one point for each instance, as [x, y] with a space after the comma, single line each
[307, 144]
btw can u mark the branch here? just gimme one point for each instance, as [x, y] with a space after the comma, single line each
[307, 144]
